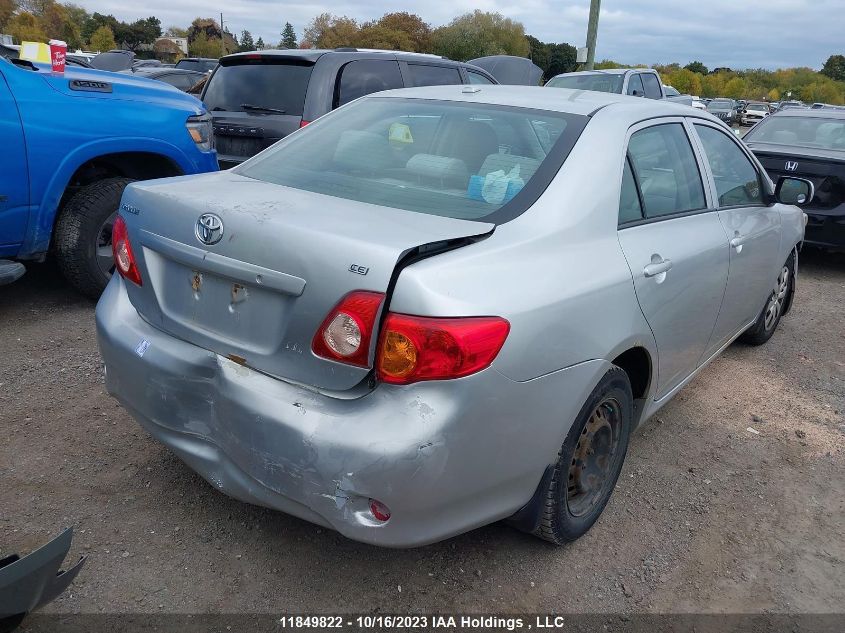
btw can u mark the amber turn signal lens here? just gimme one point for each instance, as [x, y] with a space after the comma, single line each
[398, 355]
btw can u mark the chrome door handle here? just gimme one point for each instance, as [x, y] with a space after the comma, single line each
[657, 268]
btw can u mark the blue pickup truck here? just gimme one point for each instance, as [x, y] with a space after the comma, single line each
[69, 145]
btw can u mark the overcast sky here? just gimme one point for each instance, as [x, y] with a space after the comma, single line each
[733, 33]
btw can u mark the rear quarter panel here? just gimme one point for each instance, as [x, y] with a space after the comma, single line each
[557, 272]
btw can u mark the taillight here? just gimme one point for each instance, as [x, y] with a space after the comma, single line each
[303, 123]
[124, 260]
[347, 331]
[413, 348]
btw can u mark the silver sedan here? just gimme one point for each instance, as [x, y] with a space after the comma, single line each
[437, 308]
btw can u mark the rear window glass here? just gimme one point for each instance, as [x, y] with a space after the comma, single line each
[598, 82]
[112, 61]
[258, 83]
[427, 75]
[466, 161]
[802, 131]
[366, 76]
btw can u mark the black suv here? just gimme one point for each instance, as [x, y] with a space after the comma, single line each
[260, 97]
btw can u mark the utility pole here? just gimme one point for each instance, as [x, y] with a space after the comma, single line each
[592, 32]
[221, 24]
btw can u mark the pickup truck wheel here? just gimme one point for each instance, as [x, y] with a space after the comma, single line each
[83, 235]
[767, 321]
[589, 462]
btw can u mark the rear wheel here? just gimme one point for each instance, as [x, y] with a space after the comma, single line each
[589, 462]
[767, 321]
[83, 235]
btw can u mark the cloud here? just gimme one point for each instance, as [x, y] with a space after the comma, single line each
[737, 34]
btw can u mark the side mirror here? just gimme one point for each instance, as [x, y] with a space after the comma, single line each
[794, 190]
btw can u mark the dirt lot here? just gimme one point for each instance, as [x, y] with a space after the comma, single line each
[707, 516]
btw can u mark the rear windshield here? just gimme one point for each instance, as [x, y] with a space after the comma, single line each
[720, 104]
[598, 82]
[461, 160]
[258, 83]
[802, 131]
[112, 61]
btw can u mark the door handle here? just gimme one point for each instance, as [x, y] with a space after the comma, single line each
[738, 241]
[657, 268]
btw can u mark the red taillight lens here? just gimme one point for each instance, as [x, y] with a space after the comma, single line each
[413, 348]
[124, 260]
[347, 331]
[303, 123]
[380, 511]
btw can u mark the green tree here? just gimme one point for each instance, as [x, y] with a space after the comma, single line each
[713, 85]
[103, 39]
[25, 27]
[247, 44]
[684, 81]
[7, 10]
[735, 88]
[331, 31]
[204, 46]
[288, 36]
[259, 44]
[608, 64]
[142, 32]
[416, 30]
[773, 95]
[373, 35]
[834, 67]
[57, 23]
[696, 67]
[479, 34]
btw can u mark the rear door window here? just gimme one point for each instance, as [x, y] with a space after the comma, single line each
[666, 171]
[635, 86]
[737, 181]
[428, 75]
[630, 208]
[262, 82]
[366, 76]
[652, 86]
[478, 78]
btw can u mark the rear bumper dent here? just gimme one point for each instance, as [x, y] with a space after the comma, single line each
[445, 457]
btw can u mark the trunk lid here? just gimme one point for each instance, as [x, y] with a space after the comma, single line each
[285, 258]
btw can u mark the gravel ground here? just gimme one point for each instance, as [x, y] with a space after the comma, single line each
[707, 516]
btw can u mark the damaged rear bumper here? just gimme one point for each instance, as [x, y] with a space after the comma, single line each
[445, 457]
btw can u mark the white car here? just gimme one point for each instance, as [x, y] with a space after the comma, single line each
[698, 104]
[753, 113]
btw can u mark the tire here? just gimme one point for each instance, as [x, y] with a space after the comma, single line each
[82, 239]
[572, 505]
[769, 318]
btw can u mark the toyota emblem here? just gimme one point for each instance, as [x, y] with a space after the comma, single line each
[791, 165]
[209, 229]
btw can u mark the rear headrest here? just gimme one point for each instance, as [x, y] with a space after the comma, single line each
[506, 162]
[363, 151]
[443, 168]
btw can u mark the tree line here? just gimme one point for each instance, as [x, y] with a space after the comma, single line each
[472, 35]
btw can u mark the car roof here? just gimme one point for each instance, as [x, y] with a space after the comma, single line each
[313, 54]
[584, 102]
[166, 70]
[605, 71]
[819, 113]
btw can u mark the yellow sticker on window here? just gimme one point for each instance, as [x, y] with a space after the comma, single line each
[400, 133]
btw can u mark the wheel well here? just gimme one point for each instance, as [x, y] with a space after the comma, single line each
[135, 165]
[636, 362]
